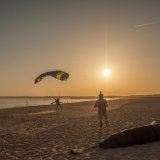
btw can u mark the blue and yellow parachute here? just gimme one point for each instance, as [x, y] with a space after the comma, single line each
[61, 75]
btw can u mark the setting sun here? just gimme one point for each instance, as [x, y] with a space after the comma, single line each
[106, 72]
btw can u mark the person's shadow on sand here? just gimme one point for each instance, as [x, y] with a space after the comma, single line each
[103, 133]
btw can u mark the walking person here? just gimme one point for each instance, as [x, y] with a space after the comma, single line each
[101, 104]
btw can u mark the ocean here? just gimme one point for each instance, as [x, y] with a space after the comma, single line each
[14, 102]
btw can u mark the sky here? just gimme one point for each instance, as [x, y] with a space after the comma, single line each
[81, 37]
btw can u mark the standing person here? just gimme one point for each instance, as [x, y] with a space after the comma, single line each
[101, 104]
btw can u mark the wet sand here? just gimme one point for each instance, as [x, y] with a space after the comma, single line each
[41, 133]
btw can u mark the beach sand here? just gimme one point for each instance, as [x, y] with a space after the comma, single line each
[41, 133]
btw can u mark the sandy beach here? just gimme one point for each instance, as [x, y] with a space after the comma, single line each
[41, 133]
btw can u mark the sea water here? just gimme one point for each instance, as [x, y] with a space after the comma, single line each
[24, 102]
[13, 102]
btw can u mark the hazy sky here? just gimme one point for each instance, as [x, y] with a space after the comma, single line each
[80, 37]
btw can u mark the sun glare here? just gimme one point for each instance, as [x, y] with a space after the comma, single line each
[106, 72]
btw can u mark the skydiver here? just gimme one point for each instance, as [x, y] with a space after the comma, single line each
[58, 105]
[57, 102]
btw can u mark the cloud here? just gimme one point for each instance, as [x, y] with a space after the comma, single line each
[146, 24]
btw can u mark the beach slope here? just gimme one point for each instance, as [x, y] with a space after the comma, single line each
[40, 132]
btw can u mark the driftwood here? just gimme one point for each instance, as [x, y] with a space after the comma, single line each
[140, 135]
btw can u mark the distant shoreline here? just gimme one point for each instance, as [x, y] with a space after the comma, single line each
[77, 97]
[64, 97]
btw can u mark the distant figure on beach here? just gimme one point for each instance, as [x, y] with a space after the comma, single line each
[57, 101]
[26, 103]
[101, 104]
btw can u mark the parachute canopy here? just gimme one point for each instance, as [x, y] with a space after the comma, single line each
[61, 75]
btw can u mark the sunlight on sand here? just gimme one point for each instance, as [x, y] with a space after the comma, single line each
[43, 112]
